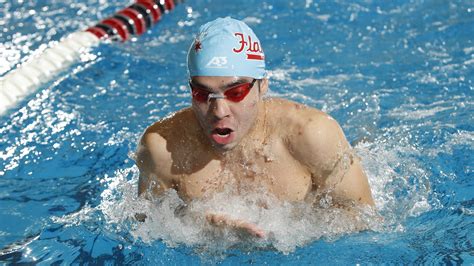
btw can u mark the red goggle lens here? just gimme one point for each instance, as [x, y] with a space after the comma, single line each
[235, 94]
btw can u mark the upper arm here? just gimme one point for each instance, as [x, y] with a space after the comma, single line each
[323, 148]
[153, 161]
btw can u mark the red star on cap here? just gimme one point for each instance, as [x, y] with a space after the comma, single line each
[197, 46]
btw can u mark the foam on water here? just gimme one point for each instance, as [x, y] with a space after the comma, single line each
[400, 188]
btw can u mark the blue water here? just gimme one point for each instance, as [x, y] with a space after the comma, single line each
[398, 76]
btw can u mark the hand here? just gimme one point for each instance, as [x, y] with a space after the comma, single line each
[223, 220]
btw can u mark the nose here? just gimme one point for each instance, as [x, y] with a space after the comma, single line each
[220, 108]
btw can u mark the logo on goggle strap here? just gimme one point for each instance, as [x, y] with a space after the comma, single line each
[253, 51]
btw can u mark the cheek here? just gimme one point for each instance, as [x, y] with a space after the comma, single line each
[247, 114]
[200, 111]
[250, 105]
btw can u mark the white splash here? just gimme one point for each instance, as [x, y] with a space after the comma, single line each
[169, 219]
[287, 225]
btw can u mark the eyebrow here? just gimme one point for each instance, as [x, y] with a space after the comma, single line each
[231, 84]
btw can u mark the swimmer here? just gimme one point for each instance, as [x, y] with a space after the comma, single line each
[233, 135]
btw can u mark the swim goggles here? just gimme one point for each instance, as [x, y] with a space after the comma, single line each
[235, 93]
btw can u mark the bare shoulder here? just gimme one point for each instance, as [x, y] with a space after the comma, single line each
[154, 156]
[175, 121]
[158, 137]
[317, 141]
[308, 131]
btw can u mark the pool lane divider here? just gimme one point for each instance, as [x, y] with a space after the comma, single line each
[135, 19]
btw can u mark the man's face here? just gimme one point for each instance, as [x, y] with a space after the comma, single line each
[226, 122]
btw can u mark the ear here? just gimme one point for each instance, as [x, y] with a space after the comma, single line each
[263, 88]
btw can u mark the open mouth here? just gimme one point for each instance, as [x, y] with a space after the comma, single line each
[222, 131]
[223, 135]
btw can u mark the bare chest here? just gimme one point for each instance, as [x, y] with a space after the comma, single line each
[271, 168]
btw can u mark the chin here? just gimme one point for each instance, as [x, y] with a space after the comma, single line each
[223, 148]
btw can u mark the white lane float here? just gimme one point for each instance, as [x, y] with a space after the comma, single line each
[132, 20]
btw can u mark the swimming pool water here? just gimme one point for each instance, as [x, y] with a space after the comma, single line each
[398, 76]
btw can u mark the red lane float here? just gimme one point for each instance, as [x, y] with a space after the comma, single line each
[118, 26]
[153, 7]
[138, 19]
[169, 4]
[133, 20]
[99, 32]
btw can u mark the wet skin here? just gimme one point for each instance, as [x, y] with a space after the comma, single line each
[284, 147]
